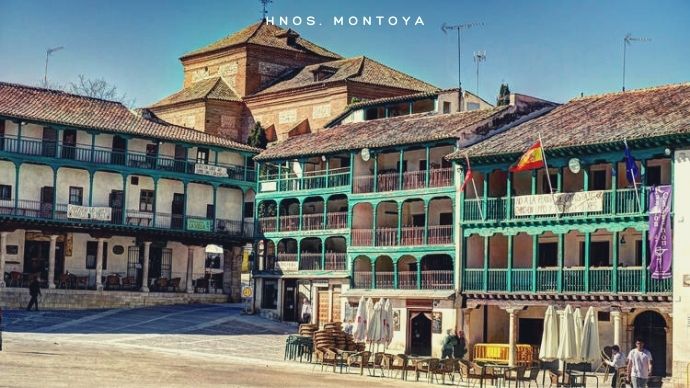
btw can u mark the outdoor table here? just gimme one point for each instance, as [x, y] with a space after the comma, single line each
[342, 354]
[576, 375]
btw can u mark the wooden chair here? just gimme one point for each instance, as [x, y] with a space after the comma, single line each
[426, 366]
[359, 360]
[622, 378]
[112, 282]
[15, 279]
[399, 363]
[522, 374]
[65, 280]
[129, 282]
[326, 357]
[471, 370]
[444, 367]
[201, 283]
[162, 284]
[377, 362]
[81, 281]
[174, 284]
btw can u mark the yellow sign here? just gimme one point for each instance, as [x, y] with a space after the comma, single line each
[246, 292]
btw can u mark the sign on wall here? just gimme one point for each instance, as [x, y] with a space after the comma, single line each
[199, 224]
[207, 169]
[580, 202]
[89, 213]
[396, 320]
[436, 322]
[660, 238]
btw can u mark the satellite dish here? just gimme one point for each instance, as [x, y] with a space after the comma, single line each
[365, 154]
[574, 165]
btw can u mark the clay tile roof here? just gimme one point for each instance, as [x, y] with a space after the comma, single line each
[210, 89]
[357, 69]
[265, 34]
[401, 130]
[56, 107]
[598, 119]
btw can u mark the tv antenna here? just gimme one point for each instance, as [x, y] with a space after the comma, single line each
[49, 52]
[264, 12]
[479, 57]
[459, 28]
[626, 41]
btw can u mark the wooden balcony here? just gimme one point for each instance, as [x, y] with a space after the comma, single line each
[409, 236]
[309, 222]
[411, 180]
[405, 280]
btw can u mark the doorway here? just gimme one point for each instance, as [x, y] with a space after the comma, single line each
[69, 143]
[530, 330]
[119, 146]
[49, 144]
[36, 255]
[420, 333]
[290, 300]
[177, 220]
[650, 326]
[46, 202]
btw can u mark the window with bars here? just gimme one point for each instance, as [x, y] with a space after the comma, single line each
[5, 192]
[146, 200]
[76, 195]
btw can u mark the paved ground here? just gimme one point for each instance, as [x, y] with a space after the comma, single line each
[190, 345]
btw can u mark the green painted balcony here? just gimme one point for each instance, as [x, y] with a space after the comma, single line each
[412, 180]
[118, 159]
[408, 236]
[404, 280]
[573, 280]
[28, 210]
[309, 181]
[310, 222]
[621, 202]
[307, 261]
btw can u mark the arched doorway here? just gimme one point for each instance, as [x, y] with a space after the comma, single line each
[650, 326]
[420, 333]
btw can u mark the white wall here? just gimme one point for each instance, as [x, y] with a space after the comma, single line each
[67, 177]
[32, 178]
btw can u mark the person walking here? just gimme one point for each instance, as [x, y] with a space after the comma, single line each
[617, 361]
[448, 344]
[639, 365]
[460, 346]
[34, 291]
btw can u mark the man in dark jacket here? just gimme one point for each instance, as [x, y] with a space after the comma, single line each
[34, 291]
[460, 346]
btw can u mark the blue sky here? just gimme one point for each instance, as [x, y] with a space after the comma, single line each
[550, 49]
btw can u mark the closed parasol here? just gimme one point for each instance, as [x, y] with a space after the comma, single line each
[549, 340]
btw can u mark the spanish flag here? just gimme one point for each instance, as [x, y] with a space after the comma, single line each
[530, 160]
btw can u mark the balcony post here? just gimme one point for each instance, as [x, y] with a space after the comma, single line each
[487, 258]
[535, 259]
[426, 223]
[54, 204]
[91, 174]
[93, 145]
[428, 167]
[373, 224]
[559, 179]
[645, 242]
[323, 255]
[215, 210]
[301, 213]
[485, 200]
[324, 224]
[561, 256]
[327, 183]
[373, 275]
[614, 275]
[279, 186]
[277, 229]
[509, 195]
[301, 179]
[351, 167]
[299, 253]
[126, 155]
[588, 240]
[16, 184]
[643, 196]
[509, 274]
[376, 173]
[125, 179]
[419, 274]
[59, 145]
[399, 235]
[533, 185]
[184, 205]
[401, 169]
[155, 204]
[614, 189]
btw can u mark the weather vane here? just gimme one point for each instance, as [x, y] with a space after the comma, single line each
[265, 11]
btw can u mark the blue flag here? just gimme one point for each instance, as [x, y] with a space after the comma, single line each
[632, 173]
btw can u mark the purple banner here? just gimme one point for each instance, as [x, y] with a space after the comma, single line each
[660, 239]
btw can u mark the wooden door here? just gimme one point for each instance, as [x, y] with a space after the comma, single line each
[335, 302]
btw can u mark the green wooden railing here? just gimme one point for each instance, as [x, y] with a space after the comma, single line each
[629, 280]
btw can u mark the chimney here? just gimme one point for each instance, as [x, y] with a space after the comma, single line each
[289, 35]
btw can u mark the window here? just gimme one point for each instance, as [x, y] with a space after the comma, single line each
[269, 292]
[598, 180]
[92, 251]
[5, 192]
[598, 253]
[210, 211]
[418, 219]
[404, 166]
[545, 183]
[445, 218]
[653, 175]
[146, 200]
[446, 107]
[548, 254]
[76, 195]
[202, 155]
[472, 106]
[248, 209]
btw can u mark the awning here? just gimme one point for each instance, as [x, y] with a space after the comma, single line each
[210, 248]
[399, 294]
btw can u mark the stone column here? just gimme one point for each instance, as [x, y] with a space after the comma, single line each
[3, 243]
[512, 335]
[190, 269]
[99, 264]
[51, 261]
[616, 316]
[145, 275]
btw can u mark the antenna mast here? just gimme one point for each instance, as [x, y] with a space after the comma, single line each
[459, 28]
[49, 52]
[479, 57]
[626, 41]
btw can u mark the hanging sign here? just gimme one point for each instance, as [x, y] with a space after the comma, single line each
[89, 213]
[660, 242]
[199, 224]
[580, 202]
[207, 169]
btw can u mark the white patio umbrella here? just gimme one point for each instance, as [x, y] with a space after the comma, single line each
[567, 342]
[549, 340]
[387, 318]
[579, 325]
[589, 349]
[360, 331]
[375, 328]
